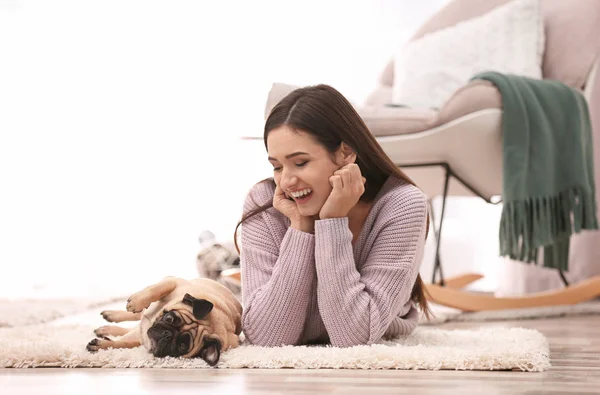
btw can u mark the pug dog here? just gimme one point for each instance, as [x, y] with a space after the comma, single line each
[178, 318]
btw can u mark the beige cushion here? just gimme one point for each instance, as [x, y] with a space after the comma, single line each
[572, 29]
[456, 11]
[379, 96]
[508, 39]
[391, 121]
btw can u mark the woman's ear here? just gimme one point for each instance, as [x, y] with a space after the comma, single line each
[347, 154]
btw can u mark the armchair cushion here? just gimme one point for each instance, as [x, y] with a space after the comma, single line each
[508, 39]
[571, 28]
[390, 121]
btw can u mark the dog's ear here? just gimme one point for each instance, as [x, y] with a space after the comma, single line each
[200, 307]
[210, 351]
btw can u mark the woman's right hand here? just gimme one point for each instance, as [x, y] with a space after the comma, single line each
[288, 207]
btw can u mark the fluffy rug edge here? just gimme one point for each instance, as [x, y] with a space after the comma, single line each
[426, 349]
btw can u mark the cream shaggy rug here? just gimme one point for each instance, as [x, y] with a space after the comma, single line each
[427, 348]
[19, 312]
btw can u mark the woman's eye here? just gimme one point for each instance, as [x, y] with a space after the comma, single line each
[301, 164]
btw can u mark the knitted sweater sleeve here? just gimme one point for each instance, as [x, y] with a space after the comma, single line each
[357, 307]
[277, 280]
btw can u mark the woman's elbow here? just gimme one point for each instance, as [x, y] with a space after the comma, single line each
[350, 338]
[269, 342]
[267, 337]
[263, 339]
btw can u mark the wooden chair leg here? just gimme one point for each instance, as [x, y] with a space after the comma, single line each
[461, 281]
[233, 274]
[467, 301]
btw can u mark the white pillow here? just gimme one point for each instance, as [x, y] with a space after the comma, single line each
[508, 39]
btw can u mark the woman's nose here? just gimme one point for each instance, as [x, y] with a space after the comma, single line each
[287, 180]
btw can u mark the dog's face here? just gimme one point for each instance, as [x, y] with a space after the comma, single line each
[179, 333]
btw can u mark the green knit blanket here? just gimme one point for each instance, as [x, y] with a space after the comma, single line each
[548, 191]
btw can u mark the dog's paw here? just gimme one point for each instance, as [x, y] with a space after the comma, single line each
[103, 332]
[111, 315]
[97, 344]
[137, 303]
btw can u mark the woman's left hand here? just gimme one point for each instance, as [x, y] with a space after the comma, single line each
[348, 186]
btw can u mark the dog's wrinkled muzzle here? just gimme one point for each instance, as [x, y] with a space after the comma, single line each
[161, 336]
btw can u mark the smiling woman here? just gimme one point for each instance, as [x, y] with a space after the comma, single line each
[332, 244]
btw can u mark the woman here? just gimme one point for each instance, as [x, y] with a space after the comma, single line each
[331, 245]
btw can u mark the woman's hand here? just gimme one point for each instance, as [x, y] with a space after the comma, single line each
[348, 186]
[288, 207]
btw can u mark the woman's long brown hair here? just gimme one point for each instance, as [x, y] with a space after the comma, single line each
[326, 114]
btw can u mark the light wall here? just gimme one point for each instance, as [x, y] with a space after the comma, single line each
[120, 123]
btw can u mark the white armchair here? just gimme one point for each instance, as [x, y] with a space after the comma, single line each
[431, 147]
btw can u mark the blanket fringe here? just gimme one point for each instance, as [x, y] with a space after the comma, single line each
[548, 222]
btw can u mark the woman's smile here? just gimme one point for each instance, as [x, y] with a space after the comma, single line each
[303, 196]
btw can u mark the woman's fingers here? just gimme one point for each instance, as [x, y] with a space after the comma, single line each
[356, 175]
[279, 192]
[350, 175]
[336, 181]
[346, 178]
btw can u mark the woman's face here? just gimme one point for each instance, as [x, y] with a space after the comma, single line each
[301, 168]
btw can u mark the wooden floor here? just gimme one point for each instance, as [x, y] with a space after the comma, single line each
[575, 352]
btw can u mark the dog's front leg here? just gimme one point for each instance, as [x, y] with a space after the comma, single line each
[111, 330]
[141, 300]
[130, 340]
[120, 316]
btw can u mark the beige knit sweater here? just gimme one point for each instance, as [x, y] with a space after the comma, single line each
[300, 288]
